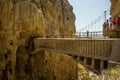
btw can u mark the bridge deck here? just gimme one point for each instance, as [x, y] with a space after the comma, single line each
[87, 47]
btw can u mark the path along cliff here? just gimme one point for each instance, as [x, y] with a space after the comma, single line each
[22, 19]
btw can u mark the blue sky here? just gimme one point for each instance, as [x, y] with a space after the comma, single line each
[87, 11]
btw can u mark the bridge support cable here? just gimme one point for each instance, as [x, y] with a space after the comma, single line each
[96, 25]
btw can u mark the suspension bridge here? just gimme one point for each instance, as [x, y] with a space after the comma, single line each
[93, 51]
[95, 28]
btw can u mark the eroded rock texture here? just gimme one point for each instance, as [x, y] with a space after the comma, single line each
[59, 18]
[46, 65]
[22, 19]
[115, 8]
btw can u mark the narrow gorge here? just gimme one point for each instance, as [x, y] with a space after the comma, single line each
[21, 20]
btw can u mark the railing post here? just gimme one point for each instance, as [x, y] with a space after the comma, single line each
[87, 34]
[93, 63]
[80, 34]
[105, 15]
[101, 64]
[91, 34]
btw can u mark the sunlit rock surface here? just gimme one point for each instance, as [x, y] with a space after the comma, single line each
[114, 73]
[46, 65]
[115, 8]
[22, 19]
[59, 17]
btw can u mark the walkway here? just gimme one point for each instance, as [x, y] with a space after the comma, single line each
[93, 53]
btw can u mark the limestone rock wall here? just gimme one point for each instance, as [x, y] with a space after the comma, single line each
[115, 8]
[59, 17]
[21, 19]
[46, 65]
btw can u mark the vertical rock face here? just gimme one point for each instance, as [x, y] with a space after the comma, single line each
[115, 8]
[115, 12]
[59, 17]
[46, 65]
[21, 19]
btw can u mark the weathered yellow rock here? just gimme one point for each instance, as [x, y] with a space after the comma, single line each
[46, 65]
[59, 17]
[115, 8]
[21, 19]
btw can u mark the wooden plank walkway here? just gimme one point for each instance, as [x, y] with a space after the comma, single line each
[92, 48]
[92, 53]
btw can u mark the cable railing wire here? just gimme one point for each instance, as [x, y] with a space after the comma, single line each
[94, 22]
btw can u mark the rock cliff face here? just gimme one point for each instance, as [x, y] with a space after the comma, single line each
[115, 8]
[22, 19]
[59, 17]
[115, 13]
[46, 65]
